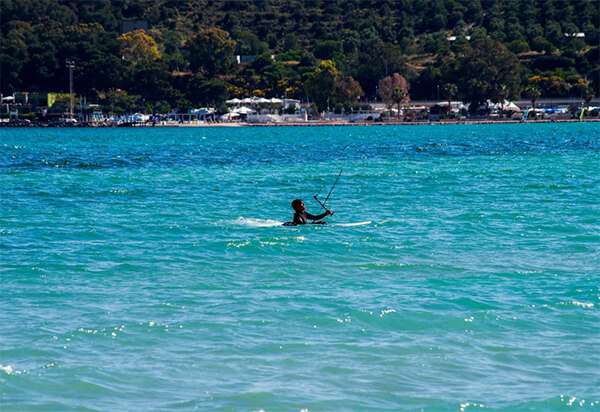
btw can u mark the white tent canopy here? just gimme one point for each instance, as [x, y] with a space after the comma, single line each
[202, 110]
[229, 116]
[507, 106]
[254, 100]
[510, 106]
[243, 110]
[453, 104]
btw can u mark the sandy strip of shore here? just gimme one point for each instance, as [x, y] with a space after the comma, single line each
[302, 124]
[387, 123]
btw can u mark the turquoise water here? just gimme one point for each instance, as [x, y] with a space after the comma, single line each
[146, 269]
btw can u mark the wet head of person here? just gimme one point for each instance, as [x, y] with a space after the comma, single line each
[298, 205]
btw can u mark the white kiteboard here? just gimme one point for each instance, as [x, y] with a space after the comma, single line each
[368, 222]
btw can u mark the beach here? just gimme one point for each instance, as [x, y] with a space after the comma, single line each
[302, 123]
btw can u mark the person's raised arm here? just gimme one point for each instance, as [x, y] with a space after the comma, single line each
[319, 217]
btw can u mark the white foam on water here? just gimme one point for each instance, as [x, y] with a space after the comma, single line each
[386, 311]
[587, 305]
[251, 222]
[9, 370]
[468, 405]
[238, 244]
[582, 304]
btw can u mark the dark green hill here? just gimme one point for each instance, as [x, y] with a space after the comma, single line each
[550, 44]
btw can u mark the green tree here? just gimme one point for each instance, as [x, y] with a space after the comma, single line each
[481, 69]
[328, 49]
[211, 52]
[449, 90]
[153, 81]
[62, 103]
[320, 86]
[13, 54]
[96, 66]
[118, 101]
[377, 60]
[398, 96]
[248, 43]
[202, 92]
[425, 84]
[500, 95]
[327, 86]
[291, 43]
[588, 95]
[275, 77]
[533, 93]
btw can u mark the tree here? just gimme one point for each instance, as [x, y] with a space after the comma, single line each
[320, 86]
[394, 90]
[212, 92]
[98, 61]
[480, 70]
[398, 95]
[533, 93]
[328, 86]
[13, 53]
[588, 95]
[152, 80]
[328, 49]
[137, 47]
[377, 59]
[62, 103]
[211, 52]
[118, 101]
[424, 86]
[248, 43]
[501, 95]
[449, 90]
[348, 90]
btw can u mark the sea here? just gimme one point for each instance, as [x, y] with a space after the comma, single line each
[147, 269]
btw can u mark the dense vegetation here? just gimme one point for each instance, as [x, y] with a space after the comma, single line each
[332, 52]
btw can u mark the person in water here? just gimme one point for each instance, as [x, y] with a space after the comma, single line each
[301, 215]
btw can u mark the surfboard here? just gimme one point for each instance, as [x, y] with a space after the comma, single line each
[368, 222]
[307, 224]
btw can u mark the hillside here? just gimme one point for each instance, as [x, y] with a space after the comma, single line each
[184, 56]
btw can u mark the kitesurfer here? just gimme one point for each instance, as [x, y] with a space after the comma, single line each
[301, 215]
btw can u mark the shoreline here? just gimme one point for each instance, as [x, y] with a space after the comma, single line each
[300, 124]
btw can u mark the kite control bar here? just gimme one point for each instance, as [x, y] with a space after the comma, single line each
[321, 203]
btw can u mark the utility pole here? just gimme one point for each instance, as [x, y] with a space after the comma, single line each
[70, 66]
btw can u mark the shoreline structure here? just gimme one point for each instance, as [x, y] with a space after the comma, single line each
[298, 124]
